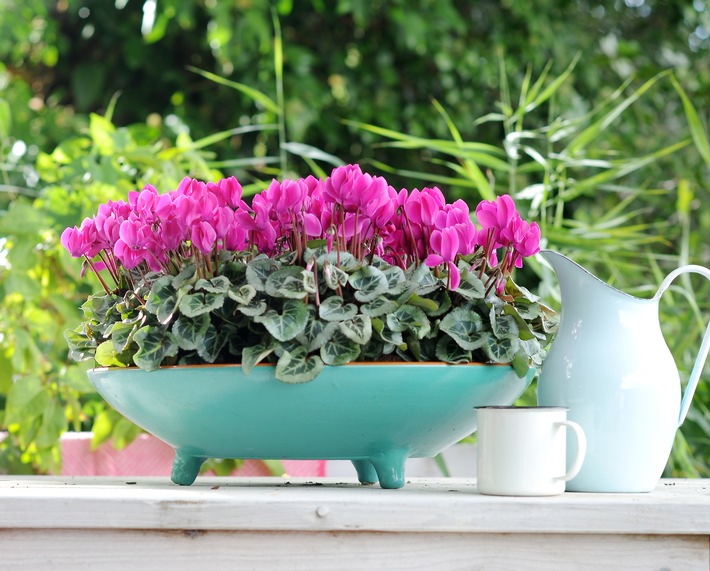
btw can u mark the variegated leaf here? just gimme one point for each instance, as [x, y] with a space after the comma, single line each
[358, 329]
[332, 309]
[252, 356]
[378, 306]
[501, 350]
[450, 351]
[339, 350]
[198, 303]
[217, 284]
[293, 282]
[298, 367]
[369, 283]
[465, 326]
[287, 324]
[154, 345]
[189, 331]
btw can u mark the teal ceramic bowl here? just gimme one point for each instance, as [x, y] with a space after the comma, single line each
[376, 415]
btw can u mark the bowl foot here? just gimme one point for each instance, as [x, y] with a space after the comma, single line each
[365, 472]
[386, 467]
[390, 468]
[186, 467]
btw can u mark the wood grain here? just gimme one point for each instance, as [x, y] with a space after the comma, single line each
[269, 523]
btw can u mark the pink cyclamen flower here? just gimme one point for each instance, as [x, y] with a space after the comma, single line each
[134, 243]
[445, 244]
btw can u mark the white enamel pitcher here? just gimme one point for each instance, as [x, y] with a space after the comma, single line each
[610, 366]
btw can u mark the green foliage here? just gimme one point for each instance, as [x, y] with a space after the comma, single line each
[377, 64]
[303, 323]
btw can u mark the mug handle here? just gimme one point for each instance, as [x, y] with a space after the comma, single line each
[581, 449]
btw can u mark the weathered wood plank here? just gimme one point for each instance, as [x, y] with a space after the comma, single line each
[677, 507]
[67, 550]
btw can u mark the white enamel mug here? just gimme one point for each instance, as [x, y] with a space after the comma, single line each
[522, 451]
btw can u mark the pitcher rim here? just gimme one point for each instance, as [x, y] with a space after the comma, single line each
[598, 279]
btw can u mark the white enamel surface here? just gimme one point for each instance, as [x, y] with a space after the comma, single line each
[522, 451]
[610, 365]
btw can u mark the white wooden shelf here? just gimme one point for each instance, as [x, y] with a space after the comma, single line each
[327, 523]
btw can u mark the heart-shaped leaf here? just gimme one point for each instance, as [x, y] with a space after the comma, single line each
[471, 287]
[198, 303]
[332, 309]
[396, 280]
[189, 331]
[369, 282]
[465, 326]
[358, 329]
[252, 356]
[503, 325]
[122, 335]
[293, 282]
[211, 344]
[298, 367]
[186, 276]
[339, 350]
[218, 284]
[163, 299]
[254, 307]
[316, 332]
[154, 344]
[379, 306]
[450, 351]
[334, 276]
[409, 318]
[501, 350]
[242, 295]
[259, 270]
[287, 324]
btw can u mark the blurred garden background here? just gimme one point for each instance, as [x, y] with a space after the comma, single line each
[592, 114]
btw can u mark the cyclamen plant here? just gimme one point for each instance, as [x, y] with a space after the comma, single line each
[312, 273]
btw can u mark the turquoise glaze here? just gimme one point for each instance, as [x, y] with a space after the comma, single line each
[376, 415]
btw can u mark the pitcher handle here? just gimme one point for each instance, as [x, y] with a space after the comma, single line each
[704, 346]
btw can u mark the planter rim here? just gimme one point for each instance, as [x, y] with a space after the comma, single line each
[353, 364]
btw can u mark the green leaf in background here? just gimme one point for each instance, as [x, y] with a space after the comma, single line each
[254, 94]
[5, 119]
